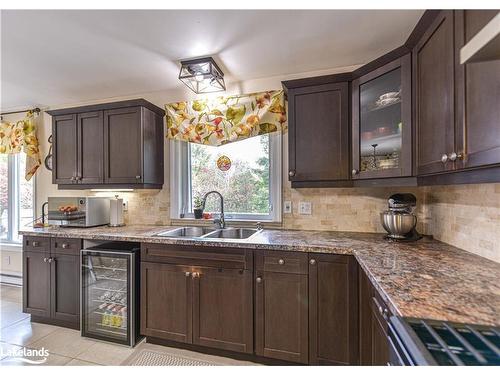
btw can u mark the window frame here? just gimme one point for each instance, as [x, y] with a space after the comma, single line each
[180, 184]
[14, 174]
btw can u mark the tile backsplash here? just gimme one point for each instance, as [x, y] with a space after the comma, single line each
[466, 216]
[346, 209]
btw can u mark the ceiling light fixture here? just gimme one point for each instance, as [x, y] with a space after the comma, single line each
[202, 75]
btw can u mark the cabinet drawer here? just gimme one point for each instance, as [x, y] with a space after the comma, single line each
[69, 246]
[280, 261]
[197, 256]
[36, 243]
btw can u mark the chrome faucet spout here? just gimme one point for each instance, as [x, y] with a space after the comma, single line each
[221, 222]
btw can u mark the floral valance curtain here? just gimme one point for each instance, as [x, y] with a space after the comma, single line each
[21, 136]
[225, 119]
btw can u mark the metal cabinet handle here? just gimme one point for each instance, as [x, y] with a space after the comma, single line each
[195, 275]
[51, 259]
[291, 173]
[312, 262]
[188, 274]
[444, 158]
[281, 261]
[385, 314]
[35, 244]
[454, 156]
[259, 280]
[354, 172]
[137, 177]
[65, 245]
[45, 259]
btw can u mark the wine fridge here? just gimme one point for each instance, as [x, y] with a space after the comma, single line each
[110, 292]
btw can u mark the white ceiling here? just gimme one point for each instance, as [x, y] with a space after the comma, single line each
[49, 57]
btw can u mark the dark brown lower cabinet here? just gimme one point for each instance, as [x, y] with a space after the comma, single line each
[281, 310]
[373, 339]
[65, 296]
[166, 300]
[207, 306]
[51, 281]
[36, 283]
[333, 309]
[222, 309]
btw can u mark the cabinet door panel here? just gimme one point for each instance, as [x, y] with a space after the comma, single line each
[333, 310]
[365, 319]
[222, 309]
[381, 125]
[123, 146]
[65, 149]
[166, 300]
[65, 287]
[380, 341]
[90, 147]
[281, 305]
[434, 91]
[482, 97]
[318, 136]
[36, 283]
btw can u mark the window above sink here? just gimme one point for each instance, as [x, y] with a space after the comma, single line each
[251, 187]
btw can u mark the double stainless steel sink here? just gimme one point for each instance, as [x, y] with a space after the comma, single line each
[205, 233]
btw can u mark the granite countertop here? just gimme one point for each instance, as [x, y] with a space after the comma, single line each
[423, 279]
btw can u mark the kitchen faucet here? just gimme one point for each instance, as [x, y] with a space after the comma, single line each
[221, 222]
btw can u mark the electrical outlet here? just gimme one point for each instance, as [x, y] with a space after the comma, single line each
[305, 208]
[287, 207]
[125, 205]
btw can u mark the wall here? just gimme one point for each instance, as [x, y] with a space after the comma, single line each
[465, 216]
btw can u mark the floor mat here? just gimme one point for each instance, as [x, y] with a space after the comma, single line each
[148, 357]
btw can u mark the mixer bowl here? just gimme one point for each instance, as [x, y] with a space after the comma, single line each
[398, 224]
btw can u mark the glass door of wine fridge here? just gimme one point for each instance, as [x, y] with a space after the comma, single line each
[108, 300]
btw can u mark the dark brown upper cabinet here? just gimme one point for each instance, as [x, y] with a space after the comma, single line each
[65, 149]
[90, 148]
[480, 102]
[318, 136]
[434, 67]
[114, 145]
[381, 122]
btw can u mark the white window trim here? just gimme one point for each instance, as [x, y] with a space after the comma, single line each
[13, 175]
[179, 183]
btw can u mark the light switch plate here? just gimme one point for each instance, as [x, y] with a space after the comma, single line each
[125, 205]
[287, 207]
[305, 208]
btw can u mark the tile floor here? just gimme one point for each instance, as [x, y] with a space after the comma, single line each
[65, 346]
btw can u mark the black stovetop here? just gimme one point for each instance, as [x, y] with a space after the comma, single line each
[431, 342]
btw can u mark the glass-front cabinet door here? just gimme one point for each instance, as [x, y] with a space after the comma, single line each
[106, 287]
[381, 121]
